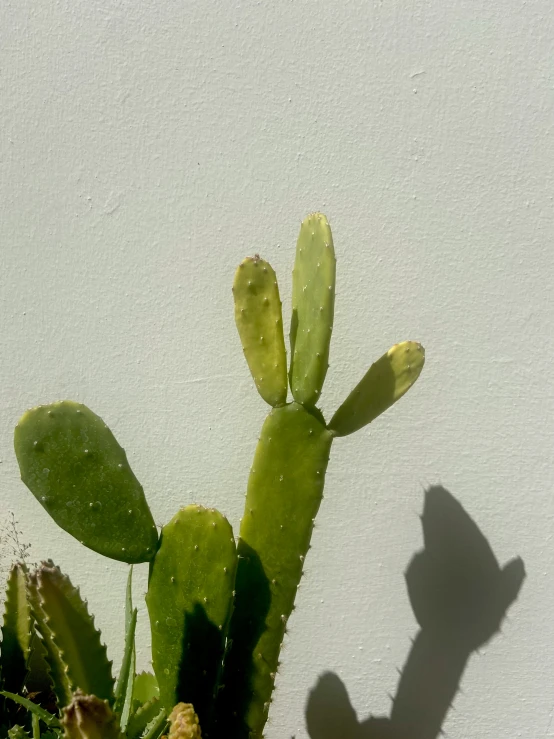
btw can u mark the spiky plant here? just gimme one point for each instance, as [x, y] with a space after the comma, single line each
[218, 611]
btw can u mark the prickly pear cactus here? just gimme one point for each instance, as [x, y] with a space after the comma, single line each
[73, 465]
[313, 307]
[285, 486]
[190, 594]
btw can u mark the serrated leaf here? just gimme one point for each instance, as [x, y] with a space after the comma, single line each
[74, 633]
[140, 719]
[57, 667]
[44, 715]
[157, 726]
[145, 687]
[18, 732]
[16, 631]
[38, 679]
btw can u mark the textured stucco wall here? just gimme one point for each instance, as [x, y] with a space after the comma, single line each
[146, 147]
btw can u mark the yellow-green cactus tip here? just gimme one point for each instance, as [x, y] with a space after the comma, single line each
[184, 723]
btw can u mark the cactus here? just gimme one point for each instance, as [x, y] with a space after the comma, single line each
[75, 468]
[285, 487]
[218, 611]
[313, 306]
[189, 600]
[260, 325]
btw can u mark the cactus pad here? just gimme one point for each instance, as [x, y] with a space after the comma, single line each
[285, 489]
[190, 593]
[75, 468]
[383, 384]
[313, 301]
[260, 326]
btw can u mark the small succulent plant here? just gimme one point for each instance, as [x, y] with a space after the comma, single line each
[218, 607]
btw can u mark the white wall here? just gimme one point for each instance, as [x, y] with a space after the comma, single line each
[146, 147]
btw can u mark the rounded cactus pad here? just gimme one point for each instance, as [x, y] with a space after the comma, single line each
[73, 465]
[260, 326]
[313, 304]
[285, 489]
[190, 597]
[383, 384]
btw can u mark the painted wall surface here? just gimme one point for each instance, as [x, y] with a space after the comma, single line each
[147, 147]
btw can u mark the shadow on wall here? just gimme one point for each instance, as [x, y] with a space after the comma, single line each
[459, 596]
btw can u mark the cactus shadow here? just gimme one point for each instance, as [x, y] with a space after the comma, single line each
[201, 655]
[252, 602]
[459, 596]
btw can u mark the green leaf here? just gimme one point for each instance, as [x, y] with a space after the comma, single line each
[125, 680]
[145, 687]
[74, 634]
[73, 465]
[142, 717]
[17, 732]
[130, 614]
[49, 720]
[387, 380]
[57, 666]
[157, 727]
[38, 679]
[16, 631]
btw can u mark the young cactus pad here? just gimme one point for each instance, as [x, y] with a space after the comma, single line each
[73, 465]
[313, 304]
[285, 487]
[190, 595]
[260, 325]
[383, 384]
